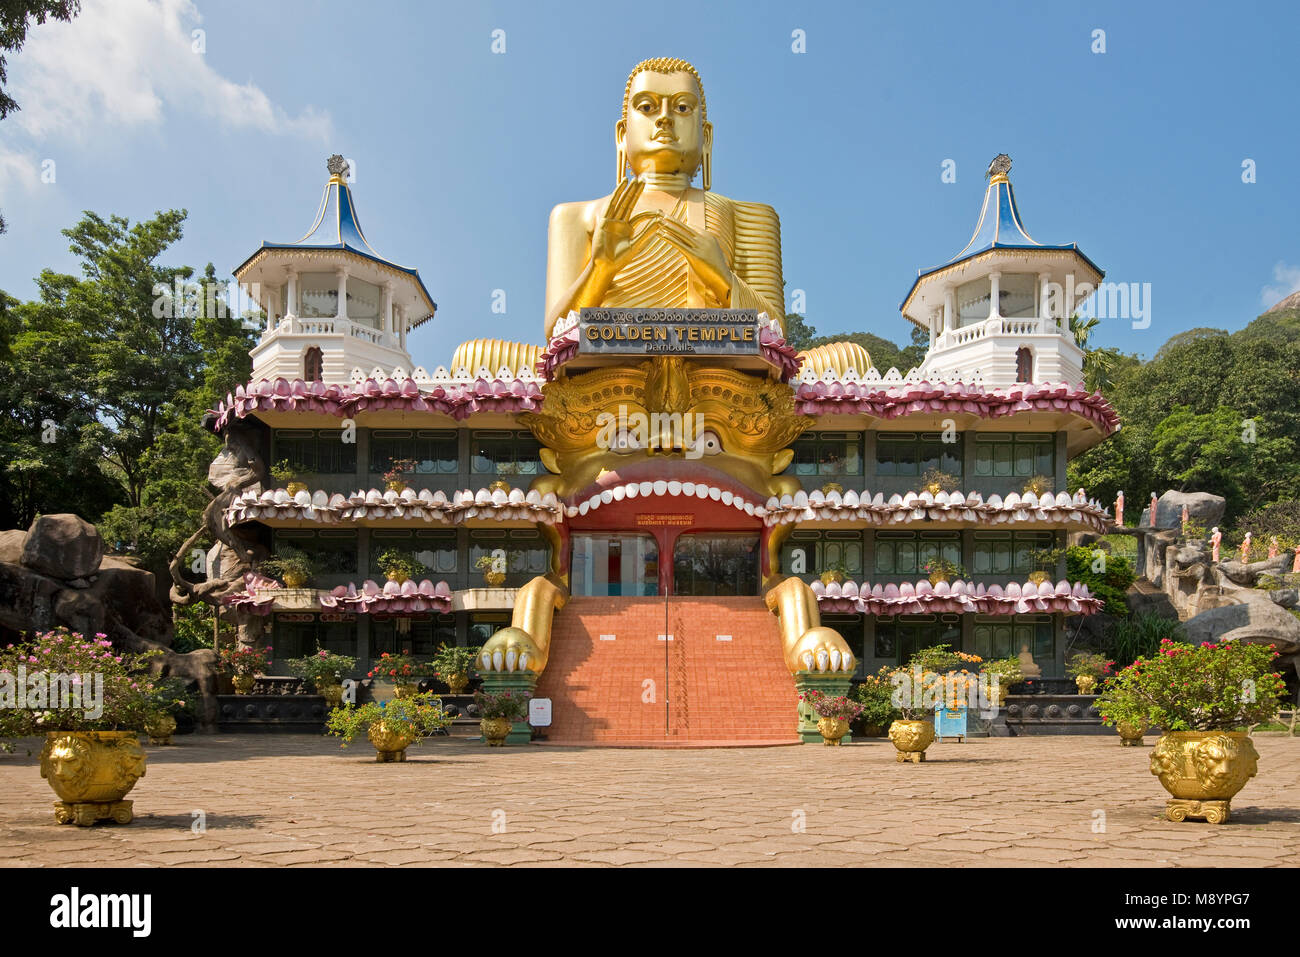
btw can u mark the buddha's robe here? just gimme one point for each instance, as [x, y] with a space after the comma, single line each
[750, 237]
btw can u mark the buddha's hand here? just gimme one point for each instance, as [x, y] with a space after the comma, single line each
[511, 649]
[619, 235]
[820, 649]
[705, 256]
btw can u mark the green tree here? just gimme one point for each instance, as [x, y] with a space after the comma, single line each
[16, 17]
[798, 333]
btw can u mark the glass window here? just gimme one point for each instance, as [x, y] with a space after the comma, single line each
[1017, 295]
[1015, 455]
[915, 453]
[973, 302]
[904, 554]
[810, 553]
[717, 564]
[434, 452]
[364, 300]
[1009, 637]
[1008, 554]
[315, 451]
[505, 453]
[426, 634]
[334, 551]
[437, 550]
[484, 626]
[898, 638]
[615, 564]
[527, 554]
[292, 637]
[827, 453]
[849, 627]
[318, 295]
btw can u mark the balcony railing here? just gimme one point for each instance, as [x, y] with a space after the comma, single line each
[298, 326]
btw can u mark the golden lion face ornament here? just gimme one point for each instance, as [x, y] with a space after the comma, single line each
[666, 420]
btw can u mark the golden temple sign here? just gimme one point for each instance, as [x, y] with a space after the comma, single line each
[665, 518]
[732, 332]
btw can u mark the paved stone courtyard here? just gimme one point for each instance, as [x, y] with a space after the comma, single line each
[301, 801]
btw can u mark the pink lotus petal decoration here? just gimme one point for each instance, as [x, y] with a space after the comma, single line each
[954, 597]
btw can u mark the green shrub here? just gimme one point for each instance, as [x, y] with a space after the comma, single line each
[1140, 636]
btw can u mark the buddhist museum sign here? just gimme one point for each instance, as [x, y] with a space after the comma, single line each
[604, 331]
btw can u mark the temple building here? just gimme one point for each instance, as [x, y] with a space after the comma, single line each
[659, 516]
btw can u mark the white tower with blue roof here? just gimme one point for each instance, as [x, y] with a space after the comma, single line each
[998, 312]
[336, 310]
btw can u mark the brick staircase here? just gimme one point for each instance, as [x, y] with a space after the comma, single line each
[635, 690]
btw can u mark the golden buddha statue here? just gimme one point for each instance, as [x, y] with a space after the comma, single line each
[657, 241]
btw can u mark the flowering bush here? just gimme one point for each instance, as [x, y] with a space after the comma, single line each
[504, 704]
[397, 468]
[875, 693]
[1213, 687]
[826, 706]
[1089, 666]
[397, 667]
[324, 667]
[64, 681]
[419, 716]
[243, 660]
[1008, 671]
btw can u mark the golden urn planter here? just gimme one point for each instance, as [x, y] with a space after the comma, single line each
[1203, 770]
[494, 579]
[294, 579]
[911, 738]
[832, 730]
[160, 729]
[1085, 683]
[395, 485]
[397, 577]
[332, 691]
[1038, 578]
[390, 743]
[500, 485]
[1130, 735]
[91, 772]
[495, 730]
[243, 683]
[457, 682]
[293, 488]
[405, 689]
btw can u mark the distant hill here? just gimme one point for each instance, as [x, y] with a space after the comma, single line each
[1291, 302]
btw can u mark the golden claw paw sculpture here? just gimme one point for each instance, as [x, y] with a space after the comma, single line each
[808, 646]
[526, 644]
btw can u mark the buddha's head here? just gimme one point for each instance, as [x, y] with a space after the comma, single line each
[664, 128]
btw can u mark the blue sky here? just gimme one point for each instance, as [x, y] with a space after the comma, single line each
[1135, 153]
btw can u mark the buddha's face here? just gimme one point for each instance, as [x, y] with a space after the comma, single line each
[664, 131]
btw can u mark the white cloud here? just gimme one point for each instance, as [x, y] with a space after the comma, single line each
[1286, 280]
[127, 62]
[18, 171]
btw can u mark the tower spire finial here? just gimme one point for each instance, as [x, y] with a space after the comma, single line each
[998, 169]
[338, 168]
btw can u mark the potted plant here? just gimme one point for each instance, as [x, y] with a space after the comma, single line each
[168, 699]
[455, 666]
[1123, 710]
[326, 671]
[834, 572]
[493, 576]
[942, 570]
[394, 478]
[245, 663]
[832, 487]
[834, 712]
[400, 566]
[498, 712]
[1203, 698]
[91, 706]
[1039, 485]
[283, 473]
[403, 670]
[392, 726]
[875, 693]
[1008, 672]
[1088, 669]
[935, 481]
[292, 566]
[911, 733]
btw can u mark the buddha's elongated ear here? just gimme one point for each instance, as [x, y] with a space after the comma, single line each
[708, 156]
[620, 158]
